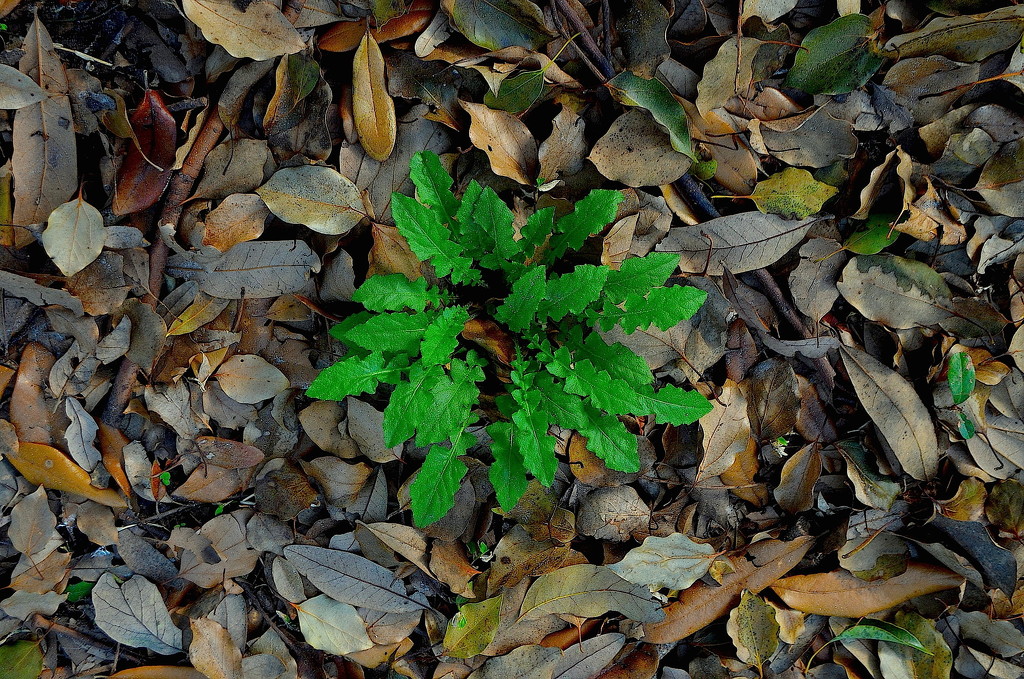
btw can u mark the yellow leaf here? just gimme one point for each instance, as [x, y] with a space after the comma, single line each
[46, 466]
[373, 109]
[792, 193]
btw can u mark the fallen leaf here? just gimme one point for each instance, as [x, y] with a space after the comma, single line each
[589, 591]
[74, 236]
[372, 108]
[841, 594]
[897, 411]
[248, 378]
[18, 90]
[146, 168]
[133, 613]
[506, 140]
[636, 152]
[22, 659]
[673, 562]
[737, 243]
[472, 628]
[836, 58]
[46, 466]
[652, 95]
[259, 32]
[698, 606]
[257, 269]
[212, 651]
[315, 196]
[754, 630]
[498, 23]
[793, 193]
[332, 626]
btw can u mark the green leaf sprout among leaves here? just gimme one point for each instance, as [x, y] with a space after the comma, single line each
[563, 373]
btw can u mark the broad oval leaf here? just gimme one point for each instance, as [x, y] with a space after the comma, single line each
[260, 32]
[793, 193]
[836, 58]
[472, 628]
[248, 378]
[754, 630]
[498, 23]
[17, 90]
[372, 108]
[21, 660]
[653, 95]
[134, 614]
[897, 411]
[318, 197]
[675, 562]
[332, 626]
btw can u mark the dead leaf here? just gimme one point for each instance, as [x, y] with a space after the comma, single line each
[373, 109]
[506, 140]
[762, 564]
[74, 236]
[842, 594]
[259, 32]
[250, 379]
[316, 196]
[133, 613]
[637, 152]
[589, 591]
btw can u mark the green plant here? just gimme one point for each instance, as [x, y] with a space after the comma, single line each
[533, 314]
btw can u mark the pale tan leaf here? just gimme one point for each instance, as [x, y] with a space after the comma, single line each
[212, 651]
[589, 591]
[18, 90]
[332, 626]
[248, 378]
[897, 411]
[260, 32]
[372, 107]
[33, 525]
[638, 152]
[45, 161]
[74, 236]
[319, 197]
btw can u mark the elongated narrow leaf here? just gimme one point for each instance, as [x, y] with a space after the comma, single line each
[430, 240]
[653, 95]
[433, 491]
[372, 106]
[355, 376]
[880, 630]
[507, 474]
[961, 376]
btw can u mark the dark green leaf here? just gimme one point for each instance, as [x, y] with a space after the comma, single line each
[433, 184]
[651, 94]
[574, 291]
[442, 336]
[507, 474]
[878, 235]
[966, 427]
[663, 307]
[449, 402]
[535, 446]
[836, 58]
[618, 360]
[879, 630]
[432, 492]
[591, 215]
[496, 24]
[521, 305]
[518, 92]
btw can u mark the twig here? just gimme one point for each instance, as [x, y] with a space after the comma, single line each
[603, 64]
[38, 621]
[694, 195]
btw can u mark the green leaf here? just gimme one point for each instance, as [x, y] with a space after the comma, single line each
[430, 240]
[591, 215]
[792, 193]
[961, 376]
[618, 397]
[618, 359]
[664, 307]
[538, 227]
[356, 375]
[878, 236]
[574, 291]
[442, 336]
[507, 474]
[497, 24]
[879, 630]
[836, 58]
[434, 185]
[521, 305]
[472, 628]
[651, 94]
[518, 92]
[395, 292]
[433, 490]
[338, 330]
[78, 591]
[410, 403]
[21, 660]
[449, 402]
[535, 446]
[397, 332]
[638, 275]
[487, 228]
[966, 427]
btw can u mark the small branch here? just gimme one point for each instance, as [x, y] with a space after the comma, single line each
[694, 195]
[604, 65]
[38, 621]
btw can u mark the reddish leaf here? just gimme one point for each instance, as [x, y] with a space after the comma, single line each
[146, 169]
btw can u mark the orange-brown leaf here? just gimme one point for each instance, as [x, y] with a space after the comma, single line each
[372, 107]
[842, 594]
[46, 466]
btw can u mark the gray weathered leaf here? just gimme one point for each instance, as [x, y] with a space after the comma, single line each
[351, 578]
[134, 614]
[738, 243]
[81, 435]
[332, 626]
[255, 270]
[586, 659]
[590, 591]
[675, 562]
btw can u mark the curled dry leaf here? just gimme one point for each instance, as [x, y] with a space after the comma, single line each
[506, 140]
[372, 108]
[841, 594]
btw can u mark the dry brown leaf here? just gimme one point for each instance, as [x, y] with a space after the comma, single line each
[506, 140]
[372, 108]
[763, 563]
[843, 594]
[212, 651]
[46, 466]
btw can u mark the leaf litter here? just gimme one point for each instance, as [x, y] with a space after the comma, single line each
[197, 192]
